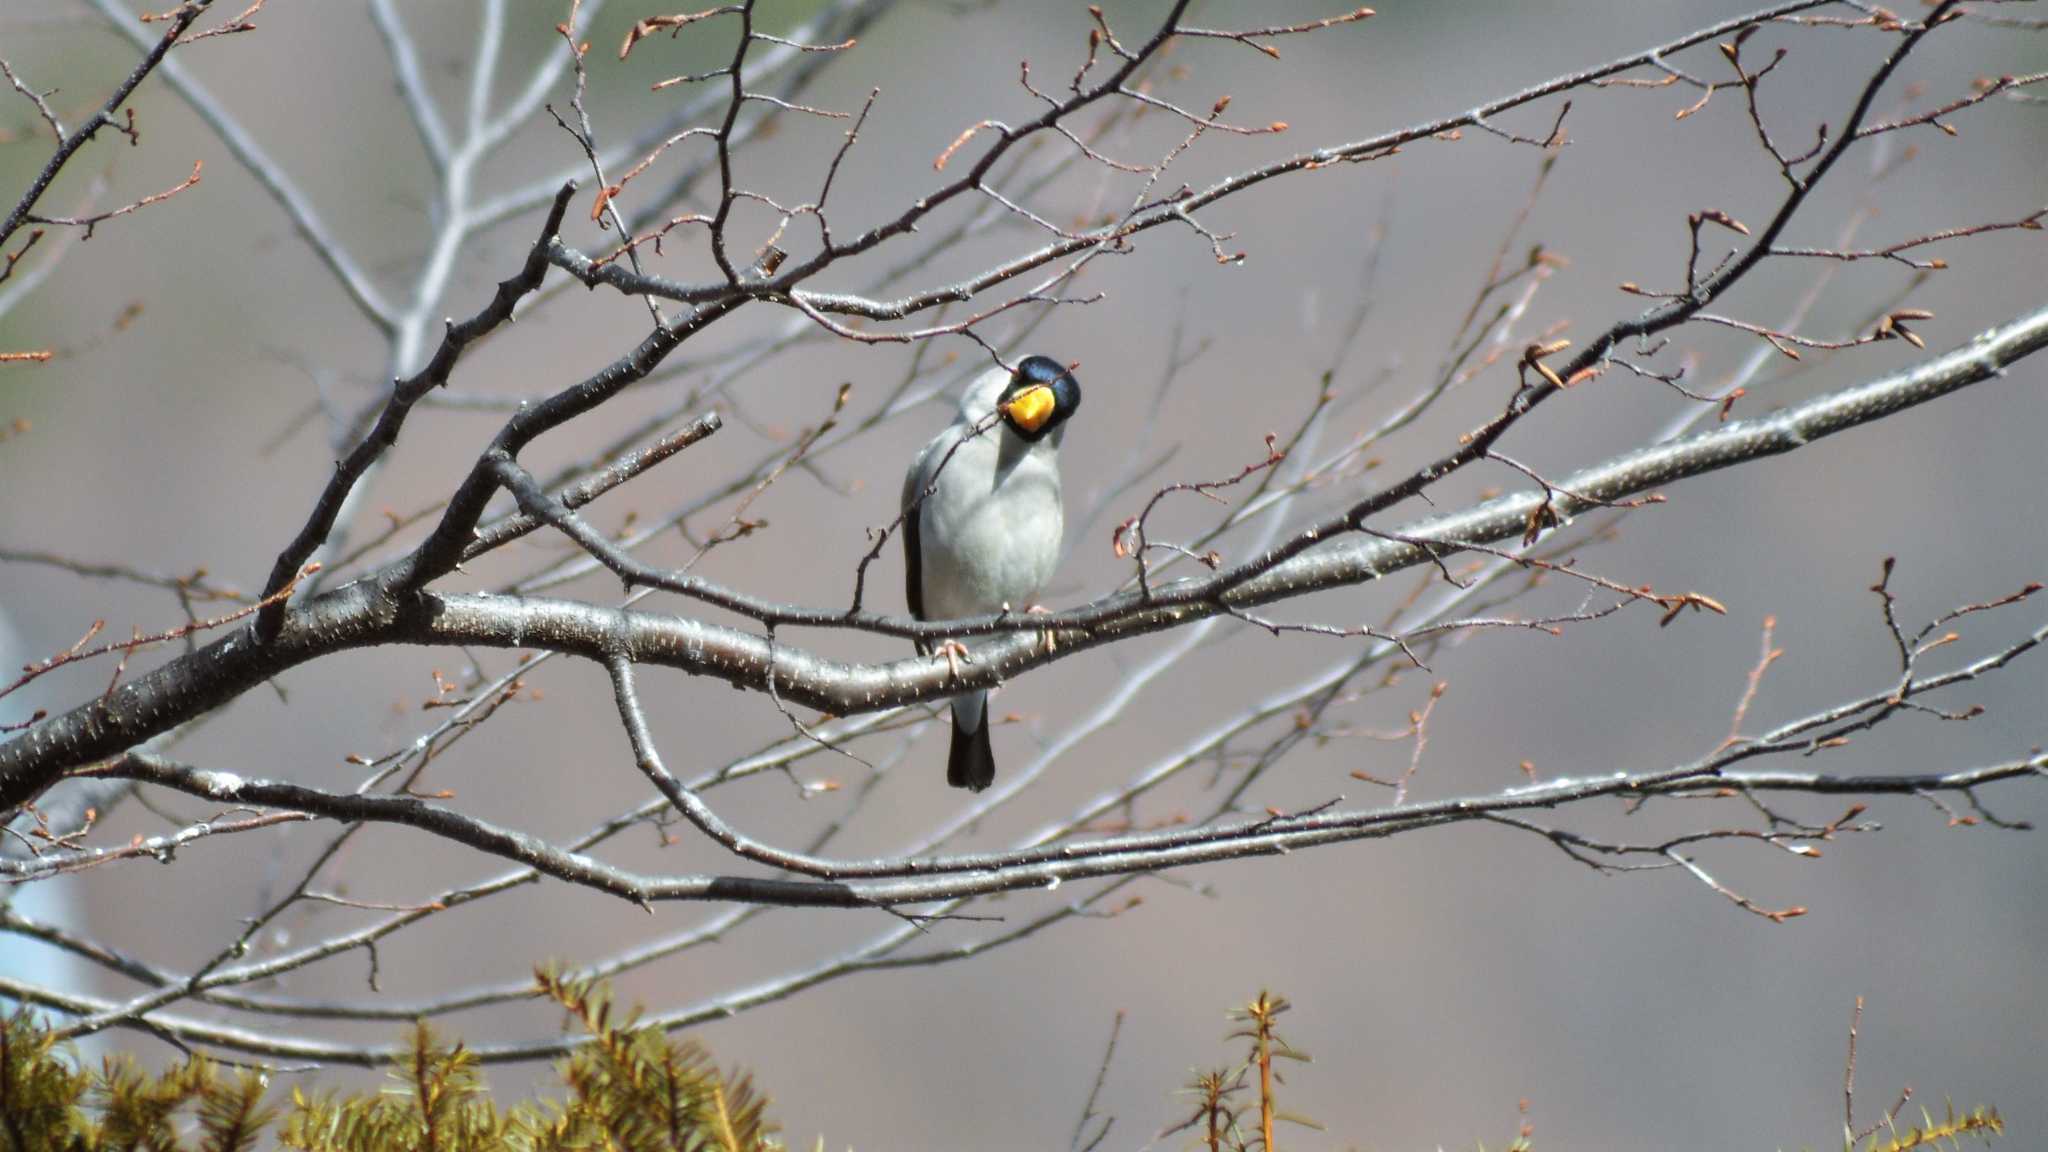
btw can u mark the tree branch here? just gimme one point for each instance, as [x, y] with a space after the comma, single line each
[363, 614]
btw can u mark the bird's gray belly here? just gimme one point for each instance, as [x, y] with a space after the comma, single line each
[1001, 547]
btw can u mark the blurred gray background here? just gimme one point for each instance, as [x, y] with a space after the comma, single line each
[1440, 977]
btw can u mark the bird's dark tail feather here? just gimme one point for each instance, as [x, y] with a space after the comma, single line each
[971, 762]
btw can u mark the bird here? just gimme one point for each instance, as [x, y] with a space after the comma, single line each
[982, 522]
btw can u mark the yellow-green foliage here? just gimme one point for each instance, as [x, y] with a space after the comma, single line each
[48, 1104]
[627, 1088]
[1222, 1121]
[633, 1087]
[1237, 1106]
[1948, 1132]
[438, 1102]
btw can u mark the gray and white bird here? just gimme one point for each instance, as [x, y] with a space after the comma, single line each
[982, 521]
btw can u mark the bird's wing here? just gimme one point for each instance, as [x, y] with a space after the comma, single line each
[914, 483]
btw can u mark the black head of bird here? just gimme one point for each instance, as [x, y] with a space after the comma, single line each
[1041, 395]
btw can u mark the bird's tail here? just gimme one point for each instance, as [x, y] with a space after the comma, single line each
[971, 762]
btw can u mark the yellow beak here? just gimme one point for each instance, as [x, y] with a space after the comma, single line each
[1031, 408]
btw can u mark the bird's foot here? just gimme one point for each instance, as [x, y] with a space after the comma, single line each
[956, 654]
[1051, 645]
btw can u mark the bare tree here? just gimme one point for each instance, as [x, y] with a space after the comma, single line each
[709, 271]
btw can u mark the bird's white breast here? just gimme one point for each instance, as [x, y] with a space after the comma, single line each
[991, 529]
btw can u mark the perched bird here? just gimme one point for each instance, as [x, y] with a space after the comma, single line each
[982, 522]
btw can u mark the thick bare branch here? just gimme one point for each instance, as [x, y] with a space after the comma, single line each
[364, 614]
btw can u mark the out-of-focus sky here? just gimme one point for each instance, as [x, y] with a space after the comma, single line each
[1440, 977]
